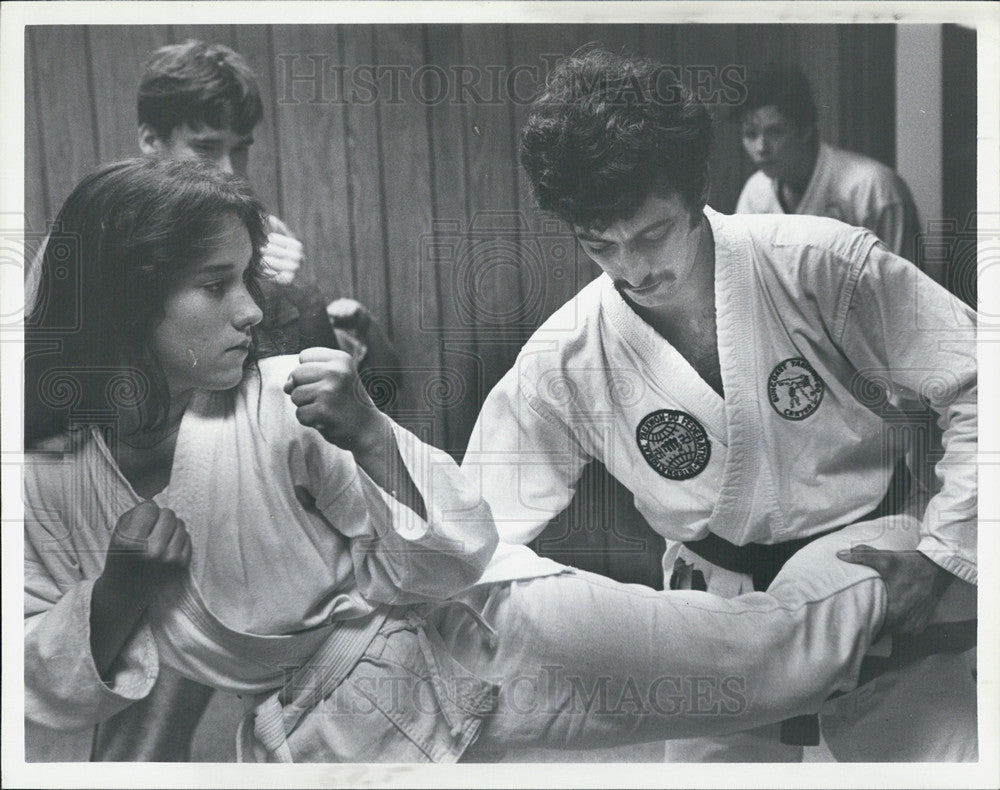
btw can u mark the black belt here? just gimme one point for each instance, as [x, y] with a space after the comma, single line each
[763, 561]
[951, 637]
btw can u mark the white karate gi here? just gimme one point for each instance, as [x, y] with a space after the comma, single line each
[275, 575]
[826, 342]
[853, 188]
[272, 564]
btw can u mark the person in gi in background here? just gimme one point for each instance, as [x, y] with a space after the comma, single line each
[797, 173]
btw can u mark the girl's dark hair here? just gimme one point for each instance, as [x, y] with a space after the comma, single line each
[608, 131]
[198, 84]
[120, 240]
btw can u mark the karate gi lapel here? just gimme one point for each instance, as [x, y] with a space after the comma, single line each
[810, 203]
[197, 440]
[747, 492]
[192, 637]
[813, 200]
[666, 365]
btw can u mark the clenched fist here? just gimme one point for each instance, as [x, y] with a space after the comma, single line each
[330, 398]
[149, 545]
[148, 540]
[349, 314]
[283, 254]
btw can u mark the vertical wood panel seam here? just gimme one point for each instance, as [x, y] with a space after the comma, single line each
[429, 121]
[433, 183]
[352, 244]
[472, 344]
[891, 96]
[512, 130]
[276, 141]
[383, 202]
[844, 77]
[466, 159]
[92, 90]
[466, 179]
[433, 186]
[37, 101]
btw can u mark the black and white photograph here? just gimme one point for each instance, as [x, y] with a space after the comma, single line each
[557, 390]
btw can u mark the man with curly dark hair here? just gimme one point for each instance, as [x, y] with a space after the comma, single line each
[723, 369]
[608, 132]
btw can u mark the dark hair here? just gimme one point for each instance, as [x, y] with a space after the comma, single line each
[784, 87]
[198, 84]
[120, 240]
[606, 132]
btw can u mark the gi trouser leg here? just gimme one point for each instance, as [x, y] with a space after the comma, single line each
[925, 711]
[583, 661]
[578, 660]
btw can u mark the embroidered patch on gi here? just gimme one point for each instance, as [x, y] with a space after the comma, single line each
[673, 443]
[794, 389]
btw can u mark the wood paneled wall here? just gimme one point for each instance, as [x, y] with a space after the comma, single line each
[417, 207]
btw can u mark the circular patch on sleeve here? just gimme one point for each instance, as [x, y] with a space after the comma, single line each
[673, 443]
[794, 389]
